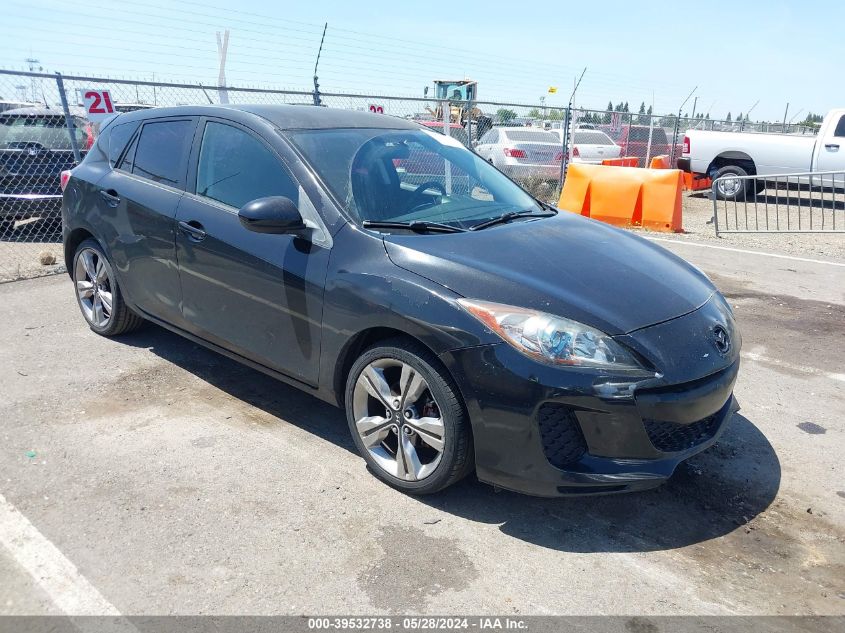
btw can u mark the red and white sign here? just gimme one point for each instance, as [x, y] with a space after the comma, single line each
[98, 105]
[376, 108]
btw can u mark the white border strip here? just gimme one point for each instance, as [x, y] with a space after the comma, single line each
[743, 250]
[69, 590]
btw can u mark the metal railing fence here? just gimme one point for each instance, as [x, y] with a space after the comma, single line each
[808, 202]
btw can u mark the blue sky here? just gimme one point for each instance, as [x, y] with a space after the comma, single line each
[735, 52]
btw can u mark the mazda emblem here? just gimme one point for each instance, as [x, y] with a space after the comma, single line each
[721, 339]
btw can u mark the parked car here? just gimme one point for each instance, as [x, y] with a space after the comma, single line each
[522, 152]
[633, 140]
[461, 330]
[35, 148]
[718, 154]
[590, 146]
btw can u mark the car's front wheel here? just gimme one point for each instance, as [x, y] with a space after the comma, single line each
[98, 293]
[407, 419]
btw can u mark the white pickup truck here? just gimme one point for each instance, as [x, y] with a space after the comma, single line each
[716, 154]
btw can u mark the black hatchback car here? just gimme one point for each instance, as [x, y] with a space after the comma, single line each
[385, 268]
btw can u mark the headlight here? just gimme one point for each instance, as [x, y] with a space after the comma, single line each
[551, 339]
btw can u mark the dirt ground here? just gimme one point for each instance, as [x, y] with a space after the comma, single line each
[168, 479]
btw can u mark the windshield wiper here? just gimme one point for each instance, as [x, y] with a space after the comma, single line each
[510, 215]
[417, 226]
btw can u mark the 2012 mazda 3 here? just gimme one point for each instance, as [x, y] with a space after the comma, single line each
[385, 268]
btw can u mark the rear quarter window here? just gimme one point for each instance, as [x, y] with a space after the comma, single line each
[118, 139]
[530, 136]
[592, 138]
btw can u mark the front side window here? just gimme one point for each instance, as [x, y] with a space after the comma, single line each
[162, 150]
[236, 168]
[410, 175]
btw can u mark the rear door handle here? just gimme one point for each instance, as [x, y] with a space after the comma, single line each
[110, 196]
[193, 229]
[833, 147]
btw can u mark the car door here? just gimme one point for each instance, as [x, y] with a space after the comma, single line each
[258, 295]
[831, 153]
[138, 201]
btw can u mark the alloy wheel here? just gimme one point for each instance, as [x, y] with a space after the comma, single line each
[398, 420]
[94, 287]
[729, 187]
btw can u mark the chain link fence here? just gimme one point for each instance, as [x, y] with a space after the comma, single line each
[44, 131]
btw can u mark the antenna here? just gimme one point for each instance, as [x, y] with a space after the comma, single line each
[222, 49]
[316, 64]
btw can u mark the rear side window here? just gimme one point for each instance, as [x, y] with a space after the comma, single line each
[592, 138]
[532, 136]
[119, 136]
[491, 137]
[25, 131]
[840, 127]
[162, 150]
[235, 168]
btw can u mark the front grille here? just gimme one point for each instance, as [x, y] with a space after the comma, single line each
[671, 437]
[563, 442]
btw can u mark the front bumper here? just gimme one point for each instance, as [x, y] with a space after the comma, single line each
[548, 431]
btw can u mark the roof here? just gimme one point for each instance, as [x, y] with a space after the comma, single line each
[285, 117]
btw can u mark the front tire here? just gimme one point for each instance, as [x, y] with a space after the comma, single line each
[407, 419]
[98, 294]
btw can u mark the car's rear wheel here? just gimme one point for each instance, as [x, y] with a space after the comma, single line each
[98, 293]
[407, 419]
[731, 189]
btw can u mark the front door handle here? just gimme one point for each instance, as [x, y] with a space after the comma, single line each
[110, 196]
[833, 147]
[194, 230]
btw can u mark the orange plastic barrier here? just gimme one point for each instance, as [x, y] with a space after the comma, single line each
[660, 162]
[622, 161]
[691, 183]
[650, 198]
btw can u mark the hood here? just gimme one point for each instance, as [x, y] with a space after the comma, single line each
[566, 265]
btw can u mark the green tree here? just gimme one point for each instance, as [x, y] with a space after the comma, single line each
[506, 115]
[728, 118]
[625, 107]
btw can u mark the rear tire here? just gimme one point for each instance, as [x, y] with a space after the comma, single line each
[732, 190]
[98, 294]
[407, 419]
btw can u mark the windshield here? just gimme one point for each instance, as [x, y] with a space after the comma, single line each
[410, 175]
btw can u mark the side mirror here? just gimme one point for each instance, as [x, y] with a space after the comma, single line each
[274, 214]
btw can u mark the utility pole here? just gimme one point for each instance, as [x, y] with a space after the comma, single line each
[33, 66]
[785, 112]
[222, 49]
